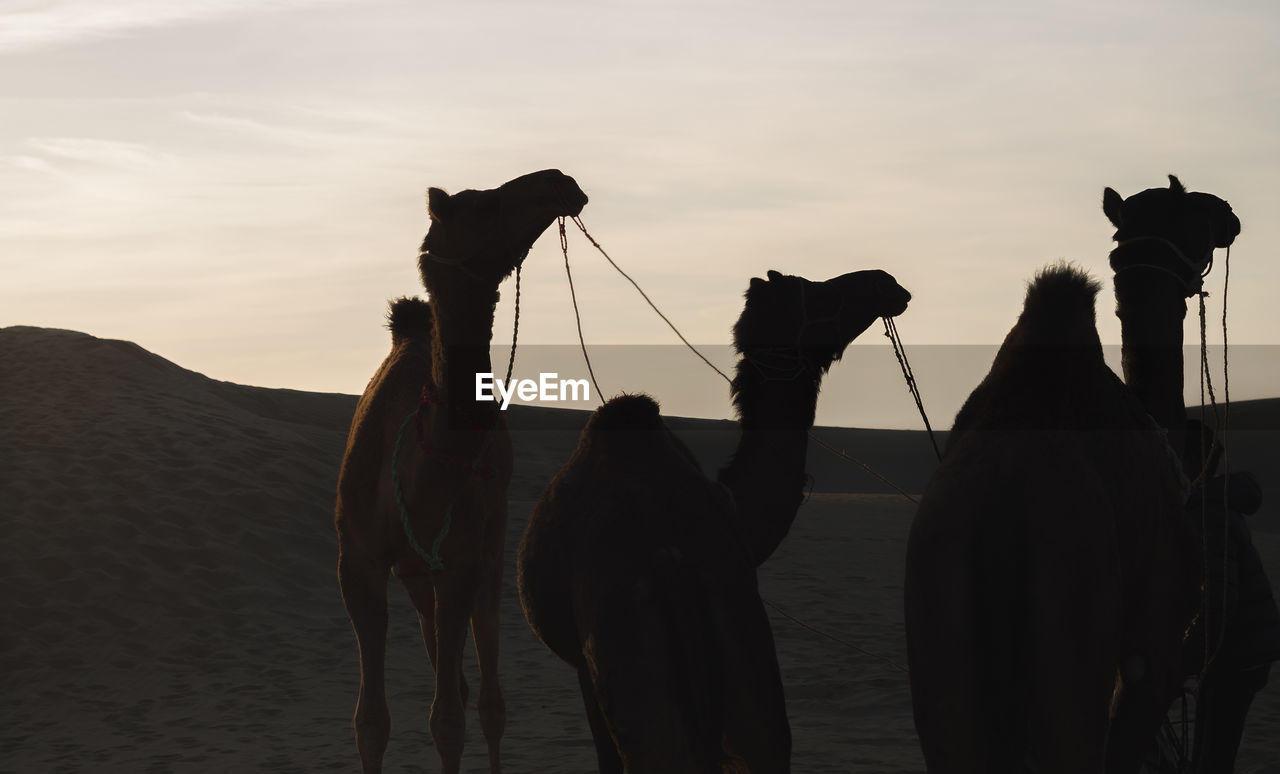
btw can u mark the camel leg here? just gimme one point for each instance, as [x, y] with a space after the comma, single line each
[629, 658]
[1221, 709]
[424, 600]
[1142, 708]
[364, 592]
[1068, 623]
[945, 652]
[485, 631]
[1072, 738]
[455, 596]
[606, 751]
[756, 728]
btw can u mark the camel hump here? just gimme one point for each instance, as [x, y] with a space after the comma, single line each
[409, 318]
[628, 412]
[627, 427]
[1061, 297]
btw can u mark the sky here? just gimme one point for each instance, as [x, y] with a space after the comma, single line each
[239, 185]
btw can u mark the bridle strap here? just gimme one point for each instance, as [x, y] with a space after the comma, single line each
[1193, 287]
[459, 264]
[794, 363]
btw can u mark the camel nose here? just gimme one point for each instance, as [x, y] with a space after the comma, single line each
[571, 195]
[896, 296]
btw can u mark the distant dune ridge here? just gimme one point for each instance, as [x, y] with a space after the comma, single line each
[170, 602]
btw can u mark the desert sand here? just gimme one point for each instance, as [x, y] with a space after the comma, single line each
[170, 601]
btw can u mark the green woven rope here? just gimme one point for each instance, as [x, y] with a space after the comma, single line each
[432, 559]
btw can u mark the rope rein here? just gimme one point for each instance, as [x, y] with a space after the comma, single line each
[515, 329]
[854, 460]
[1195, 287]
[578, 222]
[888, 661]
[824, 445]
[573, 296]
[1221, 425]
[900, 352]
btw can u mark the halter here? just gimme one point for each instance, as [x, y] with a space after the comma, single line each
[1193, 287]
[794, 363]
[461, 264]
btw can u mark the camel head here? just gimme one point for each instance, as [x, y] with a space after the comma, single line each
[787, 315]
[1169, 229]
[486, 234]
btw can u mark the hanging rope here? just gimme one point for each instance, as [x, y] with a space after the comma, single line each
[885, 659]
[1226, 376]
[432, 558]
[900, 352]
[578, 222]
[1221, 428]
[850, 458]
[515, 331]
[564, 247]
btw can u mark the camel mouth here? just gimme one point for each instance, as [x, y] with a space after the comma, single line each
[576, 210]
[899, 304]
[572, 199]
[895, 297]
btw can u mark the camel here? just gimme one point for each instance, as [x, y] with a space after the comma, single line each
[452, 457]
[639, 571]
[1051, 572]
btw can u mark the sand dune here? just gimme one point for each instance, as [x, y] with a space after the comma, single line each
[170, 601]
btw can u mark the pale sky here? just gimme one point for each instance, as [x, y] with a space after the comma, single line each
[238, 185]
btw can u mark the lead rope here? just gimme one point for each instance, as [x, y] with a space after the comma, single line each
[578, 222]
[900, 352]
[890, 662]
[1221, 425]
[564, 247]
[515, 331]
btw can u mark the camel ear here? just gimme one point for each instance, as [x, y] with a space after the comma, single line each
[756, 284]
[1176, 185]
[437, 204]
[773, 275]
[1112, 204]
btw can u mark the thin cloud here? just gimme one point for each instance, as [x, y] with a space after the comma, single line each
[278, 133]
[40, 24]
[110, 153]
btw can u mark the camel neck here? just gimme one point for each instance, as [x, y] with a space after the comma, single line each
[1151, 317]
[460, 350]
[767, 472]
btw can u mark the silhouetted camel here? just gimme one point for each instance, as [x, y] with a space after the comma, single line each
[454, 463]
[639, 570]
[1051, 572]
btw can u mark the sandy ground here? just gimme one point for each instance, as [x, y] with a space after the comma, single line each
[170, 602]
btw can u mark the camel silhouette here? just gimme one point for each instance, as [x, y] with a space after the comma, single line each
[1051, 572]
[640, 571]
[453, 480]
